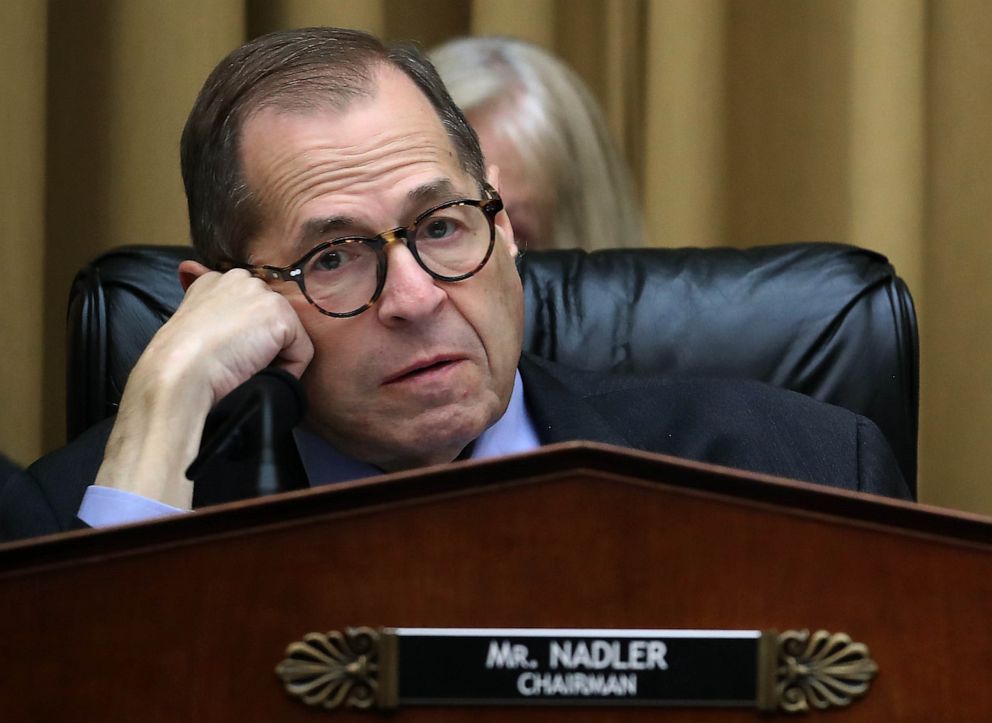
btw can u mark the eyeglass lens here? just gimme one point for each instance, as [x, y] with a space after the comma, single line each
[451, 242]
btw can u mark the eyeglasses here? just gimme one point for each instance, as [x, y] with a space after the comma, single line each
[345, 276]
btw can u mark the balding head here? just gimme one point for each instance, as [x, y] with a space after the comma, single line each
[294, 70]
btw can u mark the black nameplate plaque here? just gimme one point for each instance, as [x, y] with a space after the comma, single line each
[648, 667]
[389, 667]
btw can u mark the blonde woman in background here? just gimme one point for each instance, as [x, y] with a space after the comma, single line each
[562, 178]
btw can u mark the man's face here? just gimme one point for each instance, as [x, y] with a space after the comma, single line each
[430, 366]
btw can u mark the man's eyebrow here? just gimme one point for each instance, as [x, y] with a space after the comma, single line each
[437, 191]
[319, 229]
[316, 230]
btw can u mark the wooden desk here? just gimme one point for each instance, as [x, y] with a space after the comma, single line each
[185, 619]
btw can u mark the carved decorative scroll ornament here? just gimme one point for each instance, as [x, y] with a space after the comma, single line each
[334, 670]
[821, 670]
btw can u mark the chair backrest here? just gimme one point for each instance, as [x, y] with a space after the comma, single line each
[830, 321]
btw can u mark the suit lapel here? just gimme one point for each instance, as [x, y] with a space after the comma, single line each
[560, 414]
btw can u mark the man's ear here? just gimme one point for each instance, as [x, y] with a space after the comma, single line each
[190, 271]
[502, 218]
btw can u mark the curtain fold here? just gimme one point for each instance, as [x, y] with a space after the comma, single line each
[957, 258]
[744, 121]
[22, 225]
[684, 121]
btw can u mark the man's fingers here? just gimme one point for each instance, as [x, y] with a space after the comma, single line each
[228, 327]
[297, 350]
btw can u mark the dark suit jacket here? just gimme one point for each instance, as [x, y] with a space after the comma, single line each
[733, 423]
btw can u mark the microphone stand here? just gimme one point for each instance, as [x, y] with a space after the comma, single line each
[268, 481]
[262, 411]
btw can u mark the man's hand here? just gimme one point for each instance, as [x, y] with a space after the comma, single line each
[228, 327]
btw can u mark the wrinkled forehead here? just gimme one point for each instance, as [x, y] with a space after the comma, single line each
[361, 162]
[388, 107]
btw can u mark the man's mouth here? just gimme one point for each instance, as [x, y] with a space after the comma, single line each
[422, 370]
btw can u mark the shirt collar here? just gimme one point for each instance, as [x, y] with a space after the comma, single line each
[511, 434]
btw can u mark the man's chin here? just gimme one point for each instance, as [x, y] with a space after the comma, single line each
[433, 437]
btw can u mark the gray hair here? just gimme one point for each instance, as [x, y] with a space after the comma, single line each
[549, 113]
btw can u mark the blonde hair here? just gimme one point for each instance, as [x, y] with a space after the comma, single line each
[552, 118]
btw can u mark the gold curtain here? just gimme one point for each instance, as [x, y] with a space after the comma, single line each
[22, 225]
[745, 122]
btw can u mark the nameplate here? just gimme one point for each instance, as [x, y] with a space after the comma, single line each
[386, 668]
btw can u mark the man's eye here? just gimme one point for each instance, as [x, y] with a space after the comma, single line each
[439, 228]
[328, 261]
[337, 258]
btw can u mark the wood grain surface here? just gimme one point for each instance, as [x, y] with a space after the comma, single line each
[186, 619]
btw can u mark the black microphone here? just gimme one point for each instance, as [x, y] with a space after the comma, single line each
[248, 424]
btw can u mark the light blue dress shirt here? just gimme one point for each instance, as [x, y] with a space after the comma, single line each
[511, 434]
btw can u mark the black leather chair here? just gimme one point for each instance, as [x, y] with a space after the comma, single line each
[830, 321]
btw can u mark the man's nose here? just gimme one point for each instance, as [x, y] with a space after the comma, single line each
[410, 293]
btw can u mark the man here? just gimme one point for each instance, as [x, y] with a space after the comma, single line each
[301, 148]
